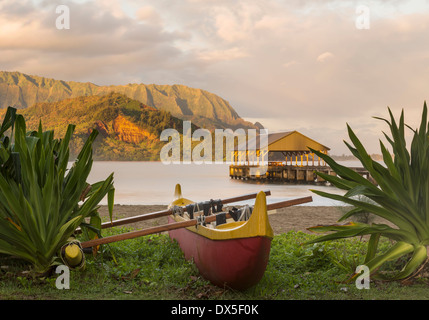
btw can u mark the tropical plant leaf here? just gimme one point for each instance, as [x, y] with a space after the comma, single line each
[400, 194]
[40, 198]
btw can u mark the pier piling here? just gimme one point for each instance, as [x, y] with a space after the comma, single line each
[286, 173]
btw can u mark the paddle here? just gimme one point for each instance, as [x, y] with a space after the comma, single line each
[184, 224]
[167, 212]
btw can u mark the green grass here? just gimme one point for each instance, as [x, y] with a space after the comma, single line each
[153, 268]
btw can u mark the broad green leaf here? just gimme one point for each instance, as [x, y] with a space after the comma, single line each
[39, 197]
[401, 195]
[372, 247]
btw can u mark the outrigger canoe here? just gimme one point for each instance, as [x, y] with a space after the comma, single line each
[231, 254]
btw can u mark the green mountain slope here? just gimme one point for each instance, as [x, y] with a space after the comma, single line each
[129, 130]
[203, 108]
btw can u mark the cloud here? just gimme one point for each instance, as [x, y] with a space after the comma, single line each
[236, 23]
[222, 55]
[149, 15]
[101, 43]
[324, 57]
[269, 59]
[290, 63]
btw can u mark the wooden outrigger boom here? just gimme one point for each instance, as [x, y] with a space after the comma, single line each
[163, 213]
[178, 225]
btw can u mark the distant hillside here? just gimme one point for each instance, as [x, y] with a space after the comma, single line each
[129, 130]
[203, 108]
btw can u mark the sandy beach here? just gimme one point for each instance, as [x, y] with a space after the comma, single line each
[297, 218]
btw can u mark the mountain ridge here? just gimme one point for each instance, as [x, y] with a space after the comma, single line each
[202, 107]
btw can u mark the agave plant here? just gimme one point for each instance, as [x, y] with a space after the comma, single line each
[42, 200]
[399, 195]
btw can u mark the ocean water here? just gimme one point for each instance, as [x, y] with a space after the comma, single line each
[149, 183]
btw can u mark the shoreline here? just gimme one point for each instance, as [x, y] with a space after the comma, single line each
[295, 218]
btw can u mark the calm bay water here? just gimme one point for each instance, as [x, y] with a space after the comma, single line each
[148, 183]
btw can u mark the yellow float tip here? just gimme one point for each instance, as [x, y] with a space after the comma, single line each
[73, 255]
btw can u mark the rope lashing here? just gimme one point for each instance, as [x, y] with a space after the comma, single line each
[242, 214]
[177, 210]
[245, 213]
[201, 220]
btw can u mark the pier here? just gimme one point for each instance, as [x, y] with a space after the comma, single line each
[279, 172]
[289, 159]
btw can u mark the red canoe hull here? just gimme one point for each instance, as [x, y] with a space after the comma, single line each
[235, 263]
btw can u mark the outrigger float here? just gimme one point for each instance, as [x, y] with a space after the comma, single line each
[230, 248]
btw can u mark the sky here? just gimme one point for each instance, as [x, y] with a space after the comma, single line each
[310, 66]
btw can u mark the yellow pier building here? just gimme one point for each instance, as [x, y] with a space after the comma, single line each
[288, 159]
